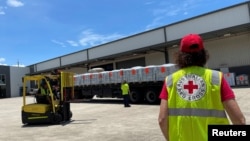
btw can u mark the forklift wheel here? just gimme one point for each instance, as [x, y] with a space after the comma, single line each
[70, 115]
[57, 118]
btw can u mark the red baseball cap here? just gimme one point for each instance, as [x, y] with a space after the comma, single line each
[191, 43]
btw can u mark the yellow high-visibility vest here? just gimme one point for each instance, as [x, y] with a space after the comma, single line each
[125, 89]
[194, 102]
[44, 92]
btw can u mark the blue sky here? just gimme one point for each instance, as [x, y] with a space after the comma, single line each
[33, 31]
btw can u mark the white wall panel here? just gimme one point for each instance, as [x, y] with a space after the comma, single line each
[171, 52]
[74, 58]
[228, 52]
[155, 58]
[48, 64]
[214, 21]
[16, 74]
[134, 42]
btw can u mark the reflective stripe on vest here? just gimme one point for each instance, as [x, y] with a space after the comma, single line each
[170, 80]
[197, 112]
[215, 78]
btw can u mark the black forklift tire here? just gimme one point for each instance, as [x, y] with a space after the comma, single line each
[70, 115]
[57, 118]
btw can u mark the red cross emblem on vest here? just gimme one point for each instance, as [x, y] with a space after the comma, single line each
[190, 87]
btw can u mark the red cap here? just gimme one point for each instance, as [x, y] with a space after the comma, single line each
[189, 40]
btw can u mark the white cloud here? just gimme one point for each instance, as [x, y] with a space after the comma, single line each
[18, 65]
[3, 64]
[73, 43]
[169, 9]
[88, 38]
[156, 22]
[2, 10]
[14, 3]
[2, 60]
[59, 43]
[149, 2]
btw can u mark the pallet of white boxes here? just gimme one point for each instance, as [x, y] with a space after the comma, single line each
[131, 75]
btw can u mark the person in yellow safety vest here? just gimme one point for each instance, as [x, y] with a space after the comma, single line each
[125, 93]
[194, 96]
[43, 94]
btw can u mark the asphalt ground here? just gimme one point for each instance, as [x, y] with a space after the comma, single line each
[95, 120]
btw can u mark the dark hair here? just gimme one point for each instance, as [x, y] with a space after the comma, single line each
[183, 59]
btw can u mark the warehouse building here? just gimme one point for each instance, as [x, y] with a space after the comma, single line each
[226, 34]
[11, 80]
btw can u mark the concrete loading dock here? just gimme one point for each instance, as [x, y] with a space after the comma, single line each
[98, 120]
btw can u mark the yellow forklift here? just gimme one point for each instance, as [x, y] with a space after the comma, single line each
[57, 109]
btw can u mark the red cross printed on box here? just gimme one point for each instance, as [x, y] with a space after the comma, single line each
[110, 74]
[121, 73]
[241, 78]
[100, 75]
[146, 70]
[163, 69]
[190, 86]
[133, 71]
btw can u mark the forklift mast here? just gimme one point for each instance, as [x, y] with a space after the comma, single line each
[66, 86]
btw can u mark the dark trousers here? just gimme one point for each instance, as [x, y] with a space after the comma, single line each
[126, 100]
